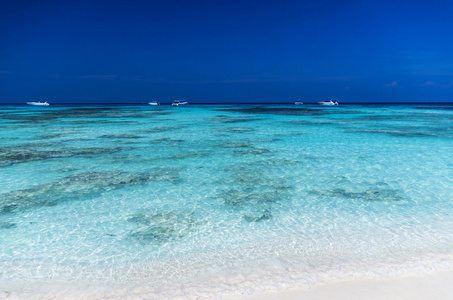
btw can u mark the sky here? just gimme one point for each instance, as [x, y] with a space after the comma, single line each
[225, 51]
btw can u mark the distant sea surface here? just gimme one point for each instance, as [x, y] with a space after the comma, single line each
[144, 201]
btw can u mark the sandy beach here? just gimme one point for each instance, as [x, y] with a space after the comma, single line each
[434, 286]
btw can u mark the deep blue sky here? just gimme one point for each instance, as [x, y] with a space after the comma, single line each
[226, 51]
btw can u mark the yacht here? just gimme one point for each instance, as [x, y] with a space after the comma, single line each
[154, 103]
[328, 103]
[179, 102]
[38, 103]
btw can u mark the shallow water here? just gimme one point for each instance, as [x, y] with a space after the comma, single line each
[210, 201]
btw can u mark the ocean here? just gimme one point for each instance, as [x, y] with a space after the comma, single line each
[212, 201]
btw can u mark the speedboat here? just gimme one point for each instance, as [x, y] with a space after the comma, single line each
[154, 103]
[38, 103]
[179, 102]
[328, 103]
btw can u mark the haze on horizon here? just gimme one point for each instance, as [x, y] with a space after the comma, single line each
[225, 51]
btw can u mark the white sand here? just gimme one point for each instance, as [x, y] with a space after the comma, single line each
[437, 286]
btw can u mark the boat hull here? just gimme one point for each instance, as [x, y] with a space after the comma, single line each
[38, 103]
[328, 103]
[178, 103]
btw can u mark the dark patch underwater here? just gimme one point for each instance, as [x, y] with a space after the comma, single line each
[371, 194]
[79, 187]
[160, 227]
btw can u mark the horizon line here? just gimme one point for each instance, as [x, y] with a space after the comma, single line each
[227, 103]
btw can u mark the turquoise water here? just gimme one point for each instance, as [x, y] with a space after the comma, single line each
[213, 201]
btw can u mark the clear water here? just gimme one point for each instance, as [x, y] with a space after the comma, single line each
[213, 201]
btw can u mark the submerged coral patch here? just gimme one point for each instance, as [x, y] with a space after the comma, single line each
[80, 115]
[257, 140]
[97, 150]
[265, 216]
[160, 129]
[7, 225]
[230, 119]
[165, 174]
[276, 162]
[7, 208]
[11, 155]
[367, 195]
[235, 145]
[187, 155]
[80, 186]
[235, 129]
[158, 227]
[116, 122]
[386, 117]
[167, 141]
[404, 132]
[52, 135]
[307, 122]
[252, 151]
[120, 136]
[283, 111]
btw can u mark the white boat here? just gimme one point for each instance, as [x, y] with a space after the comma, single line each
[298, 102]
[179, 102]
[154, 103]
[38, 103]
[328, 103]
